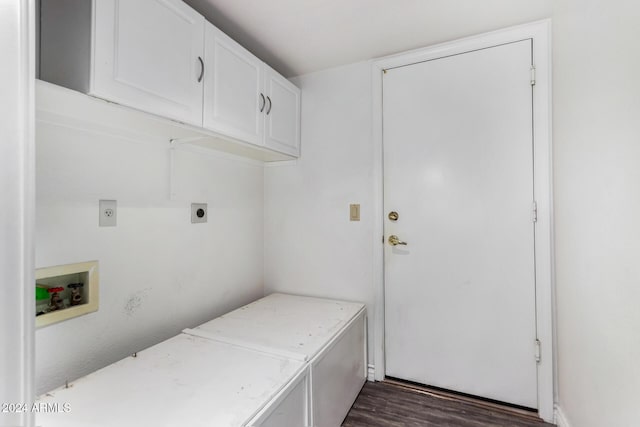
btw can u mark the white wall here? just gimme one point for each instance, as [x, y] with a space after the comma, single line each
[158, 272]
[311, 247]
[597, 202]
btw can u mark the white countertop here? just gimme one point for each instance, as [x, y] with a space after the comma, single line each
[185, 380]
[292, 326]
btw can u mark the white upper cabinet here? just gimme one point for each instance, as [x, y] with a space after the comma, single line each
[233, 99]
[148, 54]
[162, 57]
[245, 99]
[282, 113]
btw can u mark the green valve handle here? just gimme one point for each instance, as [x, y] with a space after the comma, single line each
[41, 293]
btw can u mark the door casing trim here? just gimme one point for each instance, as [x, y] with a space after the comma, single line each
[17, 169]
[540, 33]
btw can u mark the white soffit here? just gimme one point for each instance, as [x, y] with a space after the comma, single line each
[302, 36]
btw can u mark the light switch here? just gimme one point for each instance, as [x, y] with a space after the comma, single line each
[354, 212]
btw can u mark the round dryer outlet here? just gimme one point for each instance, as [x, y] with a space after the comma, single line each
[198, 212]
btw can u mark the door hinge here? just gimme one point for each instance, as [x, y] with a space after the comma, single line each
[533, 75]
[534, 212]
[538, 351]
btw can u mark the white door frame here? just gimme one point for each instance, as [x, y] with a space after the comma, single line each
[17, 159]
[540, 32]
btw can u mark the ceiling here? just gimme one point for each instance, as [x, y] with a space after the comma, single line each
[301, 36]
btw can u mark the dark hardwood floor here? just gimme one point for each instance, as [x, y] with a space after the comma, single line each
[384, 404]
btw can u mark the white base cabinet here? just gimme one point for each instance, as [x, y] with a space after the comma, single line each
[329, 335]
[184, 381]
[282, 361]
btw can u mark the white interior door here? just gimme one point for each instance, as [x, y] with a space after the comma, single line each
[458, 170]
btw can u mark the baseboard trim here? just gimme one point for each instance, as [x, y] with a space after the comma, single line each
[561, 419]
[371, 370]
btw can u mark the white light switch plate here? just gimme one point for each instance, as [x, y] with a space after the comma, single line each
[108, 210]
[354, 212]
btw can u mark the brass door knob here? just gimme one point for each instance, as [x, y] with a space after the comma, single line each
[395, 241]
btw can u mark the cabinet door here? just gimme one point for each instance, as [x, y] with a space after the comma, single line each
[233, 98]
[146, 55]
[282, 126]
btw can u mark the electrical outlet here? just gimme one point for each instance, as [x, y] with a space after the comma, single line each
[198, 212]
[108, 210]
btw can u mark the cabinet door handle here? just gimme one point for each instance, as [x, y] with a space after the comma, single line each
[201, 69]
[263, 103]
[269, 109]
